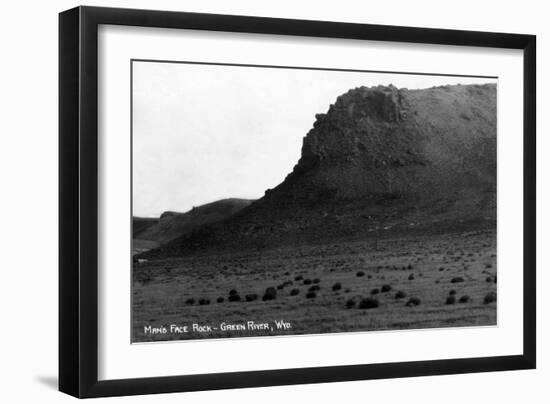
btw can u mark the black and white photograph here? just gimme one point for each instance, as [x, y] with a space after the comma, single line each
[211, 201]
[281, 200]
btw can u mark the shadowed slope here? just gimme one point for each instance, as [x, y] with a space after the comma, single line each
[171, 225]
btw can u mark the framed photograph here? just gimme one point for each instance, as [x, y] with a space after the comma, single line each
[251, 201]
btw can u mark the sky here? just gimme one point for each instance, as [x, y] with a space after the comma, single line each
[202, 133]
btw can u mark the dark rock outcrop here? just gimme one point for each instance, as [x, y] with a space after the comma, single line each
[381, 142]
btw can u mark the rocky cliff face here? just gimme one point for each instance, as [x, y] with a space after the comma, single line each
[379, 158]
[384, 142]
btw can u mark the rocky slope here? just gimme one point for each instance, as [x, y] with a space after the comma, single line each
[380, 159]
[171, 225]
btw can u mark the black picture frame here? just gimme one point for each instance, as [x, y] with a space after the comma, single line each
[78, 201]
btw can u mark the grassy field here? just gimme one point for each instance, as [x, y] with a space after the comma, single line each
[320, 289]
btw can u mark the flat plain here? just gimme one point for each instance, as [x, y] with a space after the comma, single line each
[413, 282]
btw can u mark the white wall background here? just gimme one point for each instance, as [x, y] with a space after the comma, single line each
[28, 167]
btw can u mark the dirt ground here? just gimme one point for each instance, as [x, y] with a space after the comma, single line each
[181, 298]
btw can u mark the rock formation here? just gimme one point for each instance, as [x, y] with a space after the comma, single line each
[380, 159]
